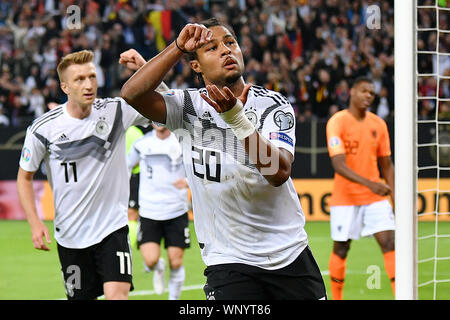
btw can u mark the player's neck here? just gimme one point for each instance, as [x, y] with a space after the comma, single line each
[358, 113]
[78, 111]
[163, 134]
[236, 87]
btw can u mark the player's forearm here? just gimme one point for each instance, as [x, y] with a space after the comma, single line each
[26, 198]
[342, 169]
[387, 168]
[149, 76]
[273, 163]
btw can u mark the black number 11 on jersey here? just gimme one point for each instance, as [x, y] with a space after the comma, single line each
[70, 166]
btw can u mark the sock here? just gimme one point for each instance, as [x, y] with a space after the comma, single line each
[389, 266]
[337, 267]
[176, 281]
[132, 226]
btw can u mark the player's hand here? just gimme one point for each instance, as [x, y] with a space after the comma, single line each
[38, 232]
[223, 100]
[380, 188]
[193, 36]
[180, 183]
[131, 59]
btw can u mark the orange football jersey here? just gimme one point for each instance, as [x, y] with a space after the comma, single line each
[362, 142]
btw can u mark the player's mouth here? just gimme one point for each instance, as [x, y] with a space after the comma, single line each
[230, 63]
[89, 95]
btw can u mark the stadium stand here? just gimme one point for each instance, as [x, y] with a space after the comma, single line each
[308, 50]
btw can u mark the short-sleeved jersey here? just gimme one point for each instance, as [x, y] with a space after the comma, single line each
[161, 163]
[362, 142]
[239, 217]
[86, 168]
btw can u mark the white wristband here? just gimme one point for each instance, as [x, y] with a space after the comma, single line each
[238, 121]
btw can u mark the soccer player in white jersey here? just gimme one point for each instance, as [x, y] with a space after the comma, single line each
[163, 208]
[238, 147]
[83, 145]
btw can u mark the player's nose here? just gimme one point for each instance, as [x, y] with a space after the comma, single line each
[225, 50]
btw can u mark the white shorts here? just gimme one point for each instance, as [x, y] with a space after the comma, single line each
[352, 222]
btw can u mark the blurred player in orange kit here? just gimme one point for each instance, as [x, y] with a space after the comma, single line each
[358, 141]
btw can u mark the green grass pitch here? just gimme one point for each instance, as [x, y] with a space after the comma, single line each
[26, 273]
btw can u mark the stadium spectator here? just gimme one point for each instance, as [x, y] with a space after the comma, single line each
[36, 103]
[4, 120]
[82, 142]
[252, 238]
[320, 33]
[358, 141]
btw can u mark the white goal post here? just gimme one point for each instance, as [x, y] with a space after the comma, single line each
[405, 151]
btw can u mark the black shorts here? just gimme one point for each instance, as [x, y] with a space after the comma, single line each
[85, 270]
[174, 231]
[133, 201]
[301, 280]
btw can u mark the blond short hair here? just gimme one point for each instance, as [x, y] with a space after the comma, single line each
[79, 57]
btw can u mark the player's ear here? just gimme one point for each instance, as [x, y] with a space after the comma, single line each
[195, 65]
[64, 87]
[352, 92]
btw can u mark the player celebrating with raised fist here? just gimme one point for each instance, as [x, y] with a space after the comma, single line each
[238, 150]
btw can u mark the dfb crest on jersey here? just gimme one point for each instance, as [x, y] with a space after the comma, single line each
[284, 121]
[101, 127]
[251, 115]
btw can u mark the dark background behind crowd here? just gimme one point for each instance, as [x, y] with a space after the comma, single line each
[309, 50]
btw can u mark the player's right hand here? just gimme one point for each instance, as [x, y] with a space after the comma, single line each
[38, 232]
[131, 59]
[193, 36]
[380, 188]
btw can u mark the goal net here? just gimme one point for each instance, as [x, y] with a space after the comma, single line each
[433, 148]
[422, 148]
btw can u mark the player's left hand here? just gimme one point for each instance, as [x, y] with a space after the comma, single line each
[223, 100]
[180, 183]
[131, 59]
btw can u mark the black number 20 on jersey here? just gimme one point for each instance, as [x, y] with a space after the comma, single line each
[201, 160]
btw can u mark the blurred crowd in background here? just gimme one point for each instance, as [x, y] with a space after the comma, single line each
[308, 50]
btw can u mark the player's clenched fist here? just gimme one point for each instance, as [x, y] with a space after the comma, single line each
[131, 59]
[192, 37]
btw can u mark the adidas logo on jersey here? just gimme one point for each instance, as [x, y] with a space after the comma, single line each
[63, 138]
[207, 116]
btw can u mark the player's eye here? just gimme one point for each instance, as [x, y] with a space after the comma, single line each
[211, 48]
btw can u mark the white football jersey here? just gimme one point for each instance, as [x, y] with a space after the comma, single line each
[239, 217]
[161, 164]
[86, 168]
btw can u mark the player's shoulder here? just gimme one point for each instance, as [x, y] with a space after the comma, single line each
[187, 96]
[145, 138]
[191, 91]
[47, 119]
[102, 103]
[341, 115]
[264, 94]
[375, 118]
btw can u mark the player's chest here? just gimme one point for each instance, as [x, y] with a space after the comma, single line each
[98, 125]
[155, 151]
[361, 138]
